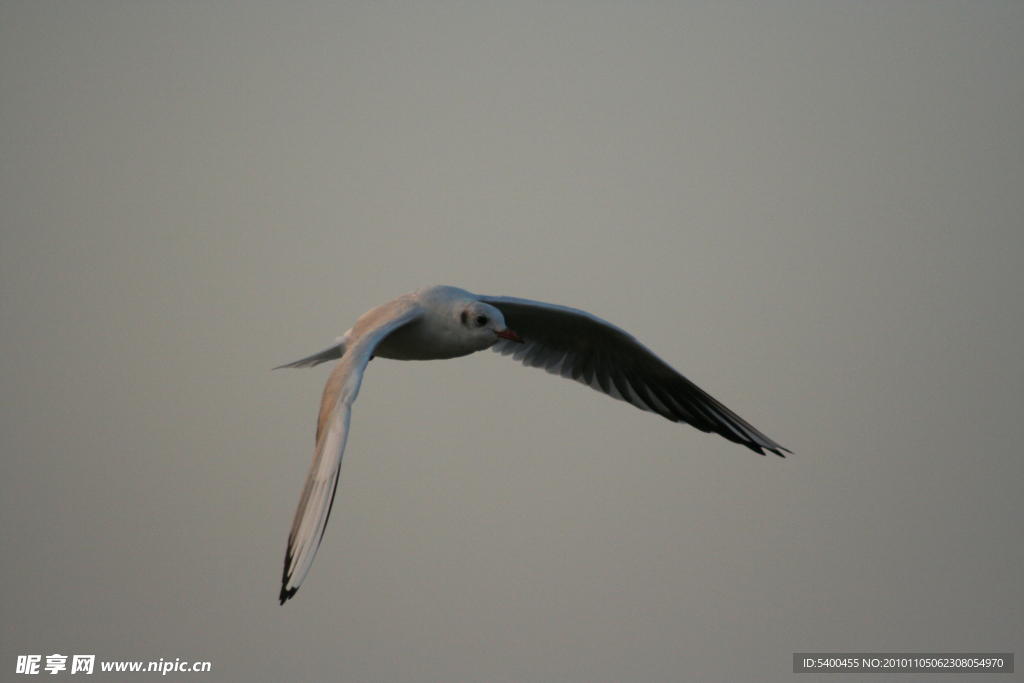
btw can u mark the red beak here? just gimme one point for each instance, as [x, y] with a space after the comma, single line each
[509, 334]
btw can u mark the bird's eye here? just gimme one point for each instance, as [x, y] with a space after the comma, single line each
[481, 320]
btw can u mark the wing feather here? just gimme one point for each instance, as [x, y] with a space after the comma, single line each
[580, 346]
[332, 433]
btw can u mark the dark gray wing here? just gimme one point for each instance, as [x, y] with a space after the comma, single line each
[574, 344]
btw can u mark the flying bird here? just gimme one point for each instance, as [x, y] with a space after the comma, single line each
[446, 322]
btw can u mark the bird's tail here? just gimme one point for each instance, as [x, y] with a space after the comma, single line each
[333, 352]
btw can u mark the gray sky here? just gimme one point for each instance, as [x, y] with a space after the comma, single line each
[813, 211]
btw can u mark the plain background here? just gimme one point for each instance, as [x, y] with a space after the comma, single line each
[814, 211]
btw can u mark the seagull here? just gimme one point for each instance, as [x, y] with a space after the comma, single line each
[440, 322]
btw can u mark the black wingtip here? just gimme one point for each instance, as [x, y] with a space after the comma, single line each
[763, 450]
[287, 593]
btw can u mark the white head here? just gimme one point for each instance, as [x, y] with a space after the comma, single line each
[486, 323]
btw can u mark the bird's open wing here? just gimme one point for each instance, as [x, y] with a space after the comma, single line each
[332, 431]
[577, 345]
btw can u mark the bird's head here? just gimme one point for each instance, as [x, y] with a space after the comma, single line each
[487, 323]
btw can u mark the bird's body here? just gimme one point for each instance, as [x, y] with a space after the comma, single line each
[446, 322]
[438, 335]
